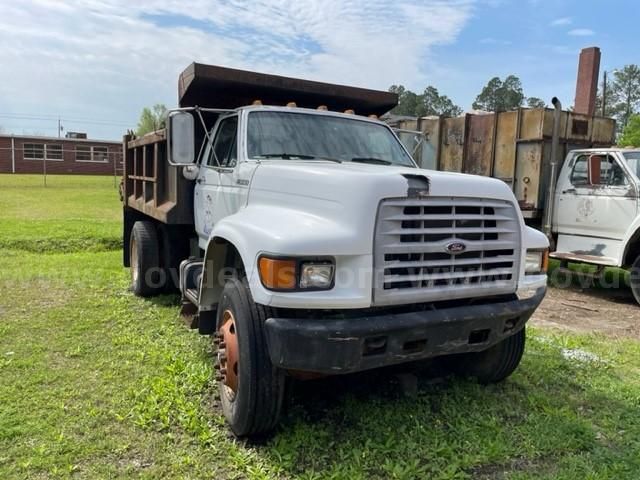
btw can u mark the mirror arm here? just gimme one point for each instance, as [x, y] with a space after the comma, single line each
[204, 125]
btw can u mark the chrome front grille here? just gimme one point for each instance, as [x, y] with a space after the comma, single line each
[414, 239]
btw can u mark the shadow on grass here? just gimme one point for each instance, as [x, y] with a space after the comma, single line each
[612, 285]
[553, 414]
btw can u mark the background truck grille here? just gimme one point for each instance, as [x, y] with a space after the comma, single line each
[411, 260]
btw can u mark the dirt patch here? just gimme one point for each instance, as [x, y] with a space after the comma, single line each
[612, 312]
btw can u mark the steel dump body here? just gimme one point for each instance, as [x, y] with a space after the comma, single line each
[155, 188]
[152, 186]
[218, 87]
[513, 146]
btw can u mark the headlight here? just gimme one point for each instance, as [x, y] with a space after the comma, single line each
[291, 274]
[536, 262]
[316, 275]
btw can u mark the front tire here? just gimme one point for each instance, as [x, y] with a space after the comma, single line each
[494, 364]
[251, 388]
[144, 256]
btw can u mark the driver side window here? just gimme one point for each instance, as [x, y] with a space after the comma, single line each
[224, 151]
[611, 173]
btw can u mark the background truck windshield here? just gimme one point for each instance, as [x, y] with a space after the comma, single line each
[300, 135]
[633, 160]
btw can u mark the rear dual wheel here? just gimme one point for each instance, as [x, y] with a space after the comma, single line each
[251, 388]
[144, 258]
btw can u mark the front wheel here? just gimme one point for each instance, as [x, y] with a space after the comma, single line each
[251, 388]
[634, 279]
[494, 364]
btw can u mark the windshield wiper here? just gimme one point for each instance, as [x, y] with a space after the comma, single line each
[296, 156]
[373, 160]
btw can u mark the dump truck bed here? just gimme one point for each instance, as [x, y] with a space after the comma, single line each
[219, 87]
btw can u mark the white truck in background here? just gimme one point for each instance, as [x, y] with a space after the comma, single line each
[596, 210]
[309, 243]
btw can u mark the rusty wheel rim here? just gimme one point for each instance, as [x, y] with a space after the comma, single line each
[228, 355]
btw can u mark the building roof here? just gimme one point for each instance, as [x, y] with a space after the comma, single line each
[60, 139]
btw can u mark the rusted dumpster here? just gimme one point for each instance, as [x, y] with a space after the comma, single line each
[513, 146]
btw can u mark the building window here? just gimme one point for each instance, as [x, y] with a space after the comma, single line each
[33, 151]
[83, 153]
[53, 152]
[92, 154]
[100, 154]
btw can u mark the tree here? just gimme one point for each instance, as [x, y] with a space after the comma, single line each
[535, 102]
[408, 101]
[631, 134]
[625, 93]
[429, 103]
[151, 119]
[436, 104]
[500, 95]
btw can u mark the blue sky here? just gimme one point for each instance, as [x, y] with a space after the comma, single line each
[97, 63]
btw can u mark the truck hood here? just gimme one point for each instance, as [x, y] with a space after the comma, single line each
[350, 183]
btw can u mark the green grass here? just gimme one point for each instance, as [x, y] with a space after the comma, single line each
[73, 213]
[96, 383]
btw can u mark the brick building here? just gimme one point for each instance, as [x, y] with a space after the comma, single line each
[30, 154]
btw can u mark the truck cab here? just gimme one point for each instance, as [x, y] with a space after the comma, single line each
[596, 213]
[318, 247]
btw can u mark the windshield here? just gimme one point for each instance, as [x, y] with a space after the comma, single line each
[633, 160]
[308, 136]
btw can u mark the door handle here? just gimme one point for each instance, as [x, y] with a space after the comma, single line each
[569, 190]
[199, 180]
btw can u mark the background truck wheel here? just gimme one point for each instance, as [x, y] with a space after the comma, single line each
[634, 279]
[496, 363]
[251, 388]
[145, 260]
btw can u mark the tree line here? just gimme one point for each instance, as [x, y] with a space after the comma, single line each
[497, 96]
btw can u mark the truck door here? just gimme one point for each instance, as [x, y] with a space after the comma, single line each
[208, 183]
[223, 183]
[595, 203]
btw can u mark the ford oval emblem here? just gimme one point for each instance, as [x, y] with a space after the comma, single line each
[455, 247]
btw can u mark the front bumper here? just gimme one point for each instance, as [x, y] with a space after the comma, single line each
[336, 346]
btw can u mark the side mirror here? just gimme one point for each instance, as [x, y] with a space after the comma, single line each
[180, 137]
[594, 170]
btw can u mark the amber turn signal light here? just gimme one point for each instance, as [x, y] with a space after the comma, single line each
[277, 274]
[545, 261]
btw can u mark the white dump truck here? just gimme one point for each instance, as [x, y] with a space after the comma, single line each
[309, 243]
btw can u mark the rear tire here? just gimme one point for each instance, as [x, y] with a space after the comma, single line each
[146, 274]
[634, 279]
[494, 364]
[254, 406]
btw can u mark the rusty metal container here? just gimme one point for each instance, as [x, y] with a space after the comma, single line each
[513, 146]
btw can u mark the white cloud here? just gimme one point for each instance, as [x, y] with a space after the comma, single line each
[108, 59]
[581, 32]
[558, 22]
